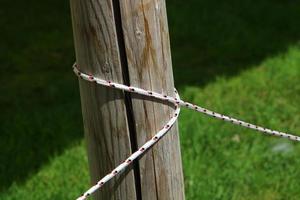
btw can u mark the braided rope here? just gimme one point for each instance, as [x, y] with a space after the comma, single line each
[178, 103]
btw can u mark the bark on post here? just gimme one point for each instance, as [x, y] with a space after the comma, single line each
[127, 41]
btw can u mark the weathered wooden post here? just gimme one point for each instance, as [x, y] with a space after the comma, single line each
[127, 41]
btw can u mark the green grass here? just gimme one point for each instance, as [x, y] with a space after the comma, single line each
[222, 161]
[64, 178]
[237, 58]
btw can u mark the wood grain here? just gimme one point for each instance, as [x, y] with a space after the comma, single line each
[127, 41]
[103, 109]
[149, 62]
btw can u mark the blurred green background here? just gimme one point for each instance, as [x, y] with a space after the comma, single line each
[241, 58]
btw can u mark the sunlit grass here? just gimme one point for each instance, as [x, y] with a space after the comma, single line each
[65, 177]
[222, 161]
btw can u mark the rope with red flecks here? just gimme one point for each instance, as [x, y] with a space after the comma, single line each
[178, 103]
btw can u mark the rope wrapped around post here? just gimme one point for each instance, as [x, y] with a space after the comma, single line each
[178, 103]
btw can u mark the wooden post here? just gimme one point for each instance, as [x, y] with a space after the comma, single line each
[127, 41]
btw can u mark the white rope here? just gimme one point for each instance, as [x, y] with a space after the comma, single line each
[178, 103]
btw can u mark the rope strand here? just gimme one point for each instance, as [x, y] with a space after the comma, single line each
[178, 103]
